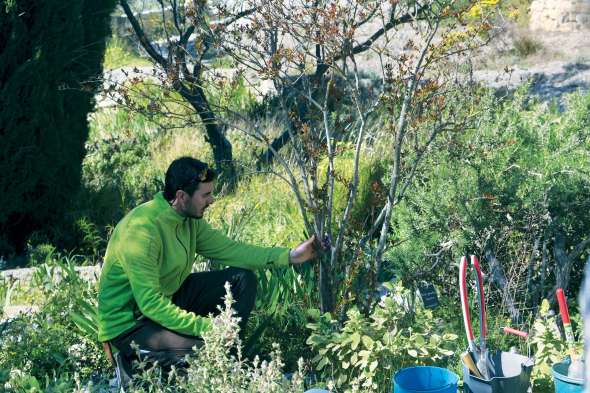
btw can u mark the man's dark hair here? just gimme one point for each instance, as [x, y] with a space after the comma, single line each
[186, 173]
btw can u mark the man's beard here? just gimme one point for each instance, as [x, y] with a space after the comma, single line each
[197, 216]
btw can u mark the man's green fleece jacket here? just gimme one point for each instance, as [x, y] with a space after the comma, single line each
[150, 254]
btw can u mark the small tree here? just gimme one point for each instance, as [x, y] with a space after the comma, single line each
[50, 59]
[310, 51]
[180, 60]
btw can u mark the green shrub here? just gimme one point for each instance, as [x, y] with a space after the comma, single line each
[218, 366]
[18, 381]
[362, 355]
[371, 193]
[550, 347]
[48, 343]
[525, 45]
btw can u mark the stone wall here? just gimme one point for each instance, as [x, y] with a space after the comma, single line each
[560, 15]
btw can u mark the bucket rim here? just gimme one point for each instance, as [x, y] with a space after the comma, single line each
[565, 378]
[527, 364]
[455, 376]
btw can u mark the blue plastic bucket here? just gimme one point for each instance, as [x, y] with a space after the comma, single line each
[563, 383]
[425, 379]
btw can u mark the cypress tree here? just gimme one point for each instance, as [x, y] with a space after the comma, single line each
[51, 54]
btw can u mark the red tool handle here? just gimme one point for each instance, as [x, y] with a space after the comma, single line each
[565, 315]
[520, 333]
[465, 302]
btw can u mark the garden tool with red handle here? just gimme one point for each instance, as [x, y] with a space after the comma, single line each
[576, 368]
[480, 353]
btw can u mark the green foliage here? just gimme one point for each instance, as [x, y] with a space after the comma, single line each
[6, 290]
[231, 95]
[116, 159]
[41, 253]
[550, 347]
[48, 344]
[218, 366]
[371, 194]
[526, 45]
[21, 382]
[520, 175]
[262, 211]
[364, 353]
[50, 57]
[93, 241]
[283, 302]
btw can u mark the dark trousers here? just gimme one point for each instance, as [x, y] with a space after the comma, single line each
[200, 293]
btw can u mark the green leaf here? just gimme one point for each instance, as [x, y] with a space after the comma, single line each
[413, 353]
[322, 363]
[85, 325]
[419, 340]
[341, 379]
[373, 366]
[368, 342]
[355, 339]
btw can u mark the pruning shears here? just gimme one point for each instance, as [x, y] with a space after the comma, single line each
[479, 352]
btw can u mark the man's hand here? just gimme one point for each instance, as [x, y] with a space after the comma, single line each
[304, 251]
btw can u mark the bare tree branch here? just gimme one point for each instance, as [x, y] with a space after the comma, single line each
[143, 39]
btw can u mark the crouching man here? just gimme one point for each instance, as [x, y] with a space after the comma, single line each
[147, 293]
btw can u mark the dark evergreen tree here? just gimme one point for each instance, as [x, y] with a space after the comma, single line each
[51, 54]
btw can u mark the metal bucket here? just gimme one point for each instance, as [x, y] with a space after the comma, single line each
[563, 383]
[509, 372]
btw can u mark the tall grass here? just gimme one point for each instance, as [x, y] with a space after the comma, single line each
[118, 54]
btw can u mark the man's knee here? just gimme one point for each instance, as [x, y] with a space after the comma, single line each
[246, 278]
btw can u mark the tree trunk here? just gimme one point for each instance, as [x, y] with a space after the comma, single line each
[221, 146]
[564, 262]
[267, 156]
[326, 285]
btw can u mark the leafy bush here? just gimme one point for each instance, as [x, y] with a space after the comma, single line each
[526, 45]
[549, 345]
[511, 187]
[6, 289]
[362, 355]
[117, 160]
[48, 343]
[218, 366]
[19, 381]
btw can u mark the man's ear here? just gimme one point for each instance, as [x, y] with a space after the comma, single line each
[180, 195]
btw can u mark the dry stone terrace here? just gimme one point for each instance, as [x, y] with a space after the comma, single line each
[560, 15]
